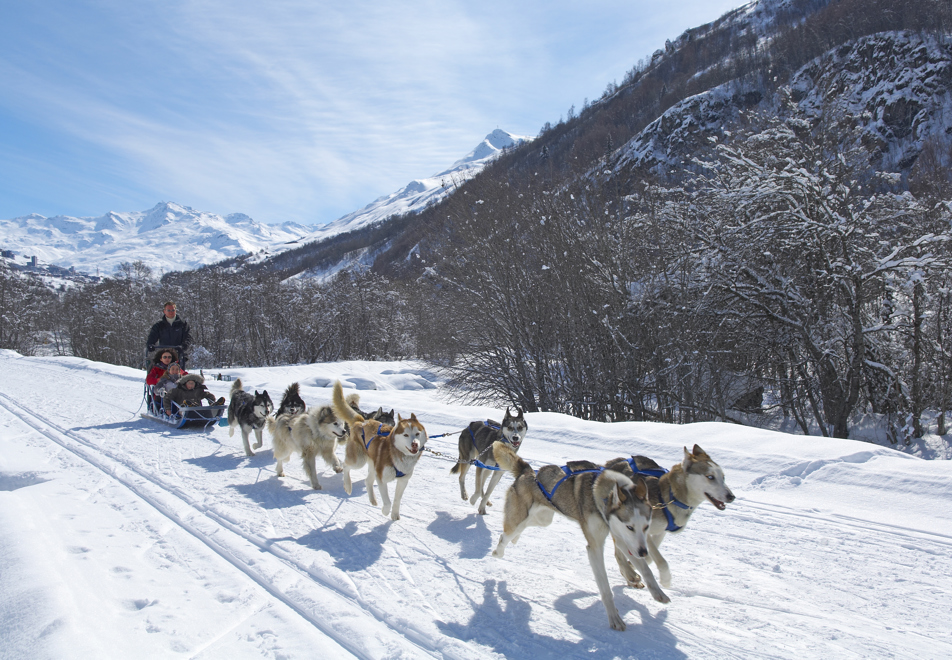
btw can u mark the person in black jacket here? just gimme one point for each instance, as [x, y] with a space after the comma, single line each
[172, 330]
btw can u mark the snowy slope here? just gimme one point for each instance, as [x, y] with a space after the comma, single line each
[895, 87]
[420, 193]
[123, 538]
[166, 237]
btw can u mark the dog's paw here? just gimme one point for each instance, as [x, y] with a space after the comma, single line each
[616, 622]
[395, 516]
[316, 487]
[386, 510]
[248, 452]
[258, 444]
[664, 579]
[635, 582]
[660, 596]
[475, 497]
[338, 469]
[481, 511]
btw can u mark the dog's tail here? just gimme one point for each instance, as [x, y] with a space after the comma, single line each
[293, 389]
[509, 460]
[232, 418]
[341, 407]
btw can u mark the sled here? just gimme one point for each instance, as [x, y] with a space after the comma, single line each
[181, 417]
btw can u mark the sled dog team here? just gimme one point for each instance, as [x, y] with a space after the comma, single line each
[634, 500]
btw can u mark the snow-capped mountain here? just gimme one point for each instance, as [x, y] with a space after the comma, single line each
[420, 193]
[171, 237]
[166, 237]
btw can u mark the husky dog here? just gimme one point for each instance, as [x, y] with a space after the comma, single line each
[601, 501]
[390, 453]
[248, 413]
[315, 432]
[674, 496]
[291, 402]
[353, 400]
[476, 443]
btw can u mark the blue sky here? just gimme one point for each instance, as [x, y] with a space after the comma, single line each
[300, 110]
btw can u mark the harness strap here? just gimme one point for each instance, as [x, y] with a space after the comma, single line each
[672, 527]
[549, 494]
[364, 437]
[478, 463]
[648, 473]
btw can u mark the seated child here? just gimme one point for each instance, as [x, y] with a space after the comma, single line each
[169, 379]
[188, 392]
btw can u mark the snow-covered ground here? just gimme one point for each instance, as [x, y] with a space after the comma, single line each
[122, 538]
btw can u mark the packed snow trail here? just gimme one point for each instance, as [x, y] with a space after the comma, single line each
[168, 542]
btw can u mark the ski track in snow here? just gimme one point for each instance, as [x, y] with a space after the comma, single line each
[759, 579]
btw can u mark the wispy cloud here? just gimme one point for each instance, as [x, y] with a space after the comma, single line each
[295, 110]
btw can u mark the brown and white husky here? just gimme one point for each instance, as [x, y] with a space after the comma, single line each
[389, 452]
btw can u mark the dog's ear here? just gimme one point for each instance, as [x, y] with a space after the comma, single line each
[688, 459]
[700, 454]
[616, 497]
[641, 490]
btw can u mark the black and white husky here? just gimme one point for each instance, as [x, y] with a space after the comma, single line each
[475, 445]
[249, 413]
[291, 402]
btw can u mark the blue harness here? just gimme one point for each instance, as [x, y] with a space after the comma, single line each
[478, 463]
[672, 527]
[549, 494]
[382, 434]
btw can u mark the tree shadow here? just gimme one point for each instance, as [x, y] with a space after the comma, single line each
[470, 532]
[350, 550]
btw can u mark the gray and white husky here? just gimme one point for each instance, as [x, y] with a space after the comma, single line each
[674, 496]
[249, 413]
[600, 500]
[311, 434]
[475, 444]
